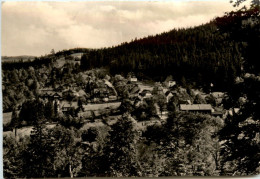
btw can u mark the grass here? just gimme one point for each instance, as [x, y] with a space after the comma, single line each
[77, 55]
[96, 107]
[24, 131]
[60, 62]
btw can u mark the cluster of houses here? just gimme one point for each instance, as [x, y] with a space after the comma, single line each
[105, 93]
[186, 105]
[68, 96]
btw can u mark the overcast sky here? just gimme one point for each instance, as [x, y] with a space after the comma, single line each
[34, 28]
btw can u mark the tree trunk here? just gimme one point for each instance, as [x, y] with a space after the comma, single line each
[71, 174]
[15, 133]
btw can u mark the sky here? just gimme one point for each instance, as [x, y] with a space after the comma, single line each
[34, 28]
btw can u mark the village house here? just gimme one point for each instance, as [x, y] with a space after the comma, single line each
[168, 95]
[137, 101]
[217, 114]
[218, 94]
[233, 111]
[43, 90]
[181, 101]
[104, 92]
[134, 91]
[202, 108]
[74, 86]
[112, 97]
[57, 96]
[70, 93]
[81, 93]
[100, 94]
[47, 94]
[171, 83]
[66, 106]
[59, 88]
[133, 79]
[146, 94]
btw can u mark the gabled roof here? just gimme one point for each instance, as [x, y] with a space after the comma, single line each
[168, 92]
[195, 107]
[81, 92]
[135, 89]
[144, 92]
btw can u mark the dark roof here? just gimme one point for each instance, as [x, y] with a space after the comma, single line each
[135, 89]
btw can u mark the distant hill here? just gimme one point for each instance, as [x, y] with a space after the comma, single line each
[23, 58]
[60, 57]
[74, 52]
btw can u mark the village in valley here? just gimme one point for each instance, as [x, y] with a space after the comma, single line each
[94, 99]
[92, 104]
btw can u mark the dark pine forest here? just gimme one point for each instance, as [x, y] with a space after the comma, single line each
[215, 52]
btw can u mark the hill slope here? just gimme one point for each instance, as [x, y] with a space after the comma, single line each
[201, 54]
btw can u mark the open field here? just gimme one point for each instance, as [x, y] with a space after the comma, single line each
[78, 55]
[24, 131]
[7, 117]
[96, 107]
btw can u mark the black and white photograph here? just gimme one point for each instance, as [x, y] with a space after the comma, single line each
[130, 88]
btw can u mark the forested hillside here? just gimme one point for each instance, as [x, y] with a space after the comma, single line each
[200, 54]
[210, 53]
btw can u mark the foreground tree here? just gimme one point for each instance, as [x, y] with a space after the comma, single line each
[12, 156]
[241, 133]
[39, 155]
[68, 151]
[187, 144]
[120, 154]
[32, 112]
